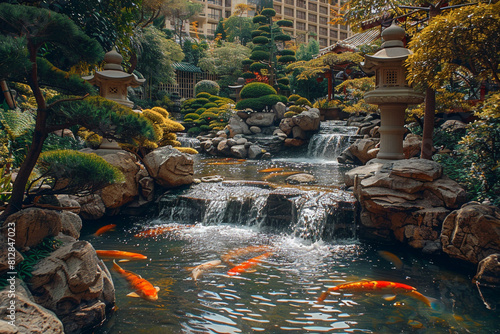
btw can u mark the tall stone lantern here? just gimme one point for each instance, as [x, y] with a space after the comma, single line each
[392, 93]
[113, 83]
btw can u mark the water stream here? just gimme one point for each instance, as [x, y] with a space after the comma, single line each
[310, 232]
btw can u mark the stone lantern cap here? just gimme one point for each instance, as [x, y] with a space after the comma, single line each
[392, 49]
[113, 70]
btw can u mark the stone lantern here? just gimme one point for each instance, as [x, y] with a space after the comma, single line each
[113, 83]
[392, 93]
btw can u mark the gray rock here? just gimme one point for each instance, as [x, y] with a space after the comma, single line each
[279, 110]
[308, 120]
[169, 167]
[488, 271]
[302, 178]
[255, 129]
[255, 151]
[286, 125]
[298, 133]
[239, 151]
[261, 119]
[71, 224]
[418, 169]
[237, 125]
[241, 141]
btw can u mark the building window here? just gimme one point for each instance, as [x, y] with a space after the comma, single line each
[312, 6]
[228, 13]
[334, 33]
[343, 27]
[215, 2]
[215, 14]
[312, 28]
[301, 15]
[323, 20]
[343, 35]
[288, 11]
[323, 31]
[323, 42]
[301, 3]
[228, 3]
[289, 2]
[312, 17]
[301, 26]
[323, 10]
[277, 8]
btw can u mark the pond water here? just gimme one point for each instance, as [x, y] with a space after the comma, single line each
[279, 293]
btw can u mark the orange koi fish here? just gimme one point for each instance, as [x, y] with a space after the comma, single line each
[116, 254]
[241, 268]
[142, 287]
[270, 170]
[396, 261]
[378, 287]
[199, 269]
[270, 176]
[104, 229]
[226, 258]
[156, 231]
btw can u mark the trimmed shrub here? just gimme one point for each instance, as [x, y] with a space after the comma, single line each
[214, 98]
[269, 12]
[303, 101]
[260, 48]
[210, 105]
[287, 59]
[283, 87]
[294, 97]
[203, 95]
[270, 100]
[256, 89]
[191, 116]
[201, 100]
[200, 111]
[193, 131]
[205, 128]
[260, 40]
[289, 114]
[287, 52]
[251, 103]
[296, 109]
[260, 19]
[283, 99]
[284, 81]
[256, 67]
[283, 38]
[248, 75]
[188, 150]
[207, 115]
[284, 23]
[259, 55]
[264, 28]
[256, 33]
[207, 86]
[247, 61]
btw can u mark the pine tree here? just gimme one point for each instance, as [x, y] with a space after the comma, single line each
[24, 31]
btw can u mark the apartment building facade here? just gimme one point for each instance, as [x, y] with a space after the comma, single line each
[310, 18]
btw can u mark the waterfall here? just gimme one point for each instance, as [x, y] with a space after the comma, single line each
[308, 214]
[188, 141]
[333, 138]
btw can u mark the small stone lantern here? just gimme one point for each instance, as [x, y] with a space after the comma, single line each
[113, 83]
[392, 93]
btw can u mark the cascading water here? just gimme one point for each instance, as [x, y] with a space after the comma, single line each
[333, 138]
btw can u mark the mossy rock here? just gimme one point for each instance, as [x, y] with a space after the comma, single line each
[296, 109]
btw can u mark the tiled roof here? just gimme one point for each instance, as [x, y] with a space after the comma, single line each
[353, 42]
[186, 67]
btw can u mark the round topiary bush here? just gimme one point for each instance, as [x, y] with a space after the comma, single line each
[295, 109]
[303, 101]
[214, 98]
[289, 114]
[294, 97]
[207, 86]
[210, 105]
[256, 33]
[285, 23]
[193, 131]
[260, 40]
[247, 61]
[287, 52]
[284, 81]
[200, 111]
[202, 100]
[191, 116]
[203, 95]
[256, 89]
[256, 67]
[248, 75]
[264, 28]
[283, 38]
[286, 59]
[260, 48]
[260, 19]
[269, 12]
[259, 55]
[251, 103]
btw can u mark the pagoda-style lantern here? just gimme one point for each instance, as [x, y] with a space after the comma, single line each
[113, 83]
[392, 93]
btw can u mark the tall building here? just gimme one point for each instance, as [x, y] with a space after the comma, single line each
[310, 18]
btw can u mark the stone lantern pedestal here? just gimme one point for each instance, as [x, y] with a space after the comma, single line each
[392, 93]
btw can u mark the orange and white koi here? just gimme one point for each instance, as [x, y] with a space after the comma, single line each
[116, 254]
[270, 170]
[199, 269]
[383, 287]
[226, 258]
[241, 268]
[156, 231]
[104, 229]
[142, 288]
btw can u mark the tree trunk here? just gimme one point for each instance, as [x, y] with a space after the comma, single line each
[430, 109]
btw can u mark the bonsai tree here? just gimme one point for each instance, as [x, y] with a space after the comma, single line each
[24, 31]
[266, 57]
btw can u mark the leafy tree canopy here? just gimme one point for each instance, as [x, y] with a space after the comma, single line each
[224, 60]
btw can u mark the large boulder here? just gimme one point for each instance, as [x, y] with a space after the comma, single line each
[363, 149]
[412, 145]
[237, 125]
[308, 120]
[286, 125]
[33, 225]
[279, 110]
[472, 233]
[488, 271]
[30, 318]
[261, 119]
[169, 167]
[74, 284]
[118, 194]
[91, 207]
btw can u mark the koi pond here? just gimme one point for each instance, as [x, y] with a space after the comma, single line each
[308, 237]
